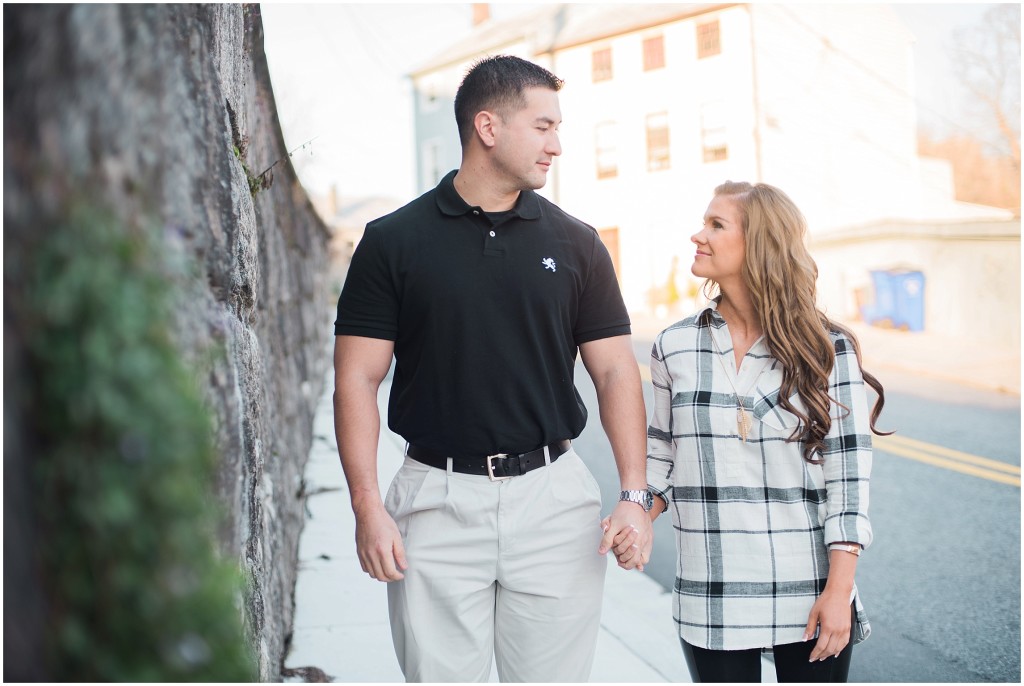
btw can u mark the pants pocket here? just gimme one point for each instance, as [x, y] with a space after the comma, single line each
[415, 488]
[573, 483]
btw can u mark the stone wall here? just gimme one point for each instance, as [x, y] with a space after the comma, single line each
[164, 114]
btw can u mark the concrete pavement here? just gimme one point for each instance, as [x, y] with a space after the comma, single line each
[341, 622]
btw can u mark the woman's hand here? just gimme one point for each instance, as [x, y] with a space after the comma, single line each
[832, 612]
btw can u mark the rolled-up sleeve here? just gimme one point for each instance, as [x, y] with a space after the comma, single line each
[659, 431]
[847, 452]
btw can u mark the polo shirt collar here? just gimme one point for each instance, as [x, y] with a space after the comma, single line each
[451, 203]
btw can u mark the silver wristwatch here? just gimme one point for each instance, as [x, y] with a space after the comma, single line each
[642, 498]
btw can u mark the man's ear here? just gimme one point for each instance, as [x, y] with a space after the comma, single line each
[486, 123]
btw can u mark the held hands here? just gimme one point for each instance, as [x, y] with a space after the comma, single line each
[628, 534]
[832, 612]
[379, 545]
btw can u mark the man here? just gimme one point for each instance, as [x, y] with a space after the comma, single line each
[483, 291]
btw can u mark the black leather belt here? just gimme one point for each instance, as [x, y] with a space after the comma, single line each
[496, 467]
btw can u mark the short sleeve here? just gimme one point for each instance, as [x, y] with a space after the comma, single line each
[602, 312]
[369, 303]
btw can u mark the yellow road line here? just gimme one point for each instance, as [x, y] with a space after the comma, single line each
[883, 443]
[910, 443]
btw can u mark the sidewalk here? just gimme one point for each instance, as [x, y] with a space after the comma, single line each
[341, 619]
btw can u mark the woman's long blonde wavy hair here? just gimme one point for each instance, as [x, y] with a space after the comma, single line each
[781, 277]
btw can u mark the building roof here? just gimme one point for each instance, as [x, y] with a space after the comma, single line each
[562, 25]
[606, 21]
[490, 35]
[987, 224]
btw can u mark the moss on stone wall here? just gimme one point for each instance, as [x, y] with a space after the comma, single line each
[121, 480]
[136, 109]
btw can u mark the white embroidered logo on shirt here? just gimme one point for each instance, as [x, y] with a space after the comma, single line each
[548, 263]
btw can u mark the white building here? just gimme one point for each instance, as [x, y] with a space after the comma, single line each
[662, 102]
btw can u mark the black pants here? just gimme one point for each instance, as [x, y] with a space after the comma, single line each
[791, 664]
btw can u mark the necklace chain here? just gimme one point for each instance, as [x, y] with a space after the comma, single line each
[743, 421]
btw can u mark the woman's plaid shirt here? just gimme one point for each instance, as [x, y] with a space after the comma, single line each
[753, 519]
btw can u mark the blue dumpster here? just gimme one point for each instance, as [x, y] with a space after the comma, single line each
[898, 300]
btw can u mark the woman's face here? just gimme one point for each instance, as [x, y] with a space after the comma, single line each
[721, 245]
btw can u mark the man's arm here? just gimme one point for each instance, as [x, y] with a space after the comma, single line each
[616, 376]
[360, 365]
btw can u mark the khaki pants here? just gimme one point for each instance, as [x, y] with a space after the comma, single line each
[507, 567]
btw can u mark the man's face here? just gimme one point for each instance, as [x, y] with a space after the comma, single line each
[526, 142]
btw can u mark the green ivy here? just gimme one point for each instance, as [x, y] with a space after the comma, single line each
[123, 465]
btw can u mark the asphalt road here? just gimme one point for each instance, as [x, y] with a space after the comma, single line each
[941, 582]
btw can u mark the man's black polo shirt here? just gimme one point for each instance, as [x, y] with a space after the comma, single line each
[486, 319]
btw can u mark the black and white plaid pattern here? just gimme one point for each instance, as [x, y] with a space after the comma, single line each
[753, 519]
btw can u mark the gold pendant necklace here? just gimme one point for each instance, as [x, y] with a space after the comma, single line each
[743, 421]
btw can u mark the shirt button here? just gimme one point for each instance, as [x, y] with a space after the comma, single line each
[492, 234]
[476, 212]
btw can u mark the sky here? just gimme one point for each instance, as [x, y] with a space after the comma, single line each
[339, 78]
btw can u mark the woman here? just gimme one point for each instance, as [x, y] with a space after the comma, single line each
[760, 446]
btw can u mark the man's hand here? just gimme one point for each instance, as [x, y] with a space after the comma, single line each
[360, 365]
[628, 534]
[379, 545]
[613, 368]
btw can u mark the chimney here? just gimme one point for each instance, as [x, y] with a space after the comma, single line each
[481, 13]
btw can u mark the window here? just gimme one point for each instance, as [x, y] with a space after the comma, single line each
[712, 132]
[605, 152]
[654, 53]
[601, 64]
[657, 141]
[708, 43]
[610, 238]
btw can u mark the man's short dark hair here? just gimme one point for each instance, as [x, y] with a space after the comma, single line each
[498, 84]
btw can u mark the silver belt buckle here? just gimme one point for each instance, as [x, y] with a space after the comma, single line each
[490, 468]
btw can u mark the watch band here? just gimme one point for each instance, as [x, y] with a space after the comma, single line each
[846, 548]
[642, 498]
